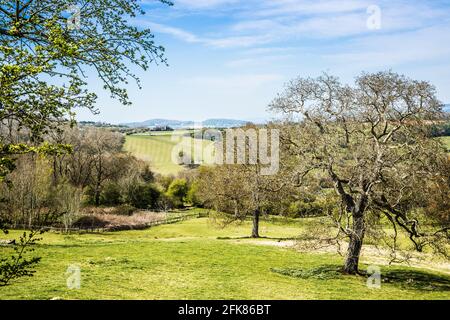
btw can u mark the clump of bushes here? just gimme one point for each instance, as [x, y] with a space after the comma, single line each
[178, 191]
[124, 210]
[89, 222]
[144, 191]
[144, 196]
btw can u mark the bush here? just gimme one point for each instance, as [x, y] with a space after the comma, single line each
[165, 203]
[303, 209]
[177, 191]
[89, 222]
[192, 196]
[124, 210]
[111, 195]
[440, 130]
[147, 175]
[144, 196]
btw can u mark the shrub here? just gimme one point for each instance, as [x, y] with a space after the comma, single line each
[147, 175]
[124, 210]
[192, 196]
[178, 190]
[302, 208]
[89, 222]
[165, 203]
[111, 195]
[144, 196]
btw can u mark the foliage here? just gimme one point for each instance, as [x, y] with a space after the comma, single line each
[193, 197]
[124, 210]
[177, 191]
[37, 43]
[18, 265]
[372, 141]
[111, 194]
[440, 130]
[144, 196]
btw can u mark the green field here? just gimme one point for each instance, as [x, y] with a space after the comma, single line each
[196, 260]
[446, 141]
[156, 149]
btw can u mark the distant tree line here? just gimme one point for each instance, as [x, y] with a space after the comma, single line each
[95, 173]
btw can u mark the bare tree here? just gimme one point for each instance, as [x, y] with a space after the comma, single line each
[372, 141]
[241, 189]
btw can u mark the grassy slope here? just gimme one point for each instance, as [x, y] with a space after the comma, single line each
[446, 141]
[188, 261]
[156, 149]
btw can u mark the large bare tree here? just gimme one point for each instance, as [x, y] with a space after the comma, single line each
[371, 140]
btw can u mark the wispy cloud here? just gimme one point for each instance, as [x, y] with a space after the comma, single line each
[395, 49]
[219, 42]
[175, 32]
[255, 23]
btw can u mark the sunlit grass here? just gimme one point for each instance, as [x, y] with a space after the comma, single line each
[156, 149]
[197, 260]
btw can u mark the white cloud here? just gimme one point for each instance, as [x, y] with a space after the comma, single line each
[176, 32]
[218, 42]
[395, 49]
[309, 7]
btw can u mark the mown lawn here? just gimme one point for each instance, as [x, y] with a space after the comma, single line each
[196, 260]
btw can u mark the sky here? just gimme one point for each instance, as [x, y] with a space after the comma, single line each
[229, 58]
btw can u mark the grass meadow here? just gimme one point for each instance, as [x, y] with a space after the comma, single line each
[196, 259]
[157, 148]
[446, 141]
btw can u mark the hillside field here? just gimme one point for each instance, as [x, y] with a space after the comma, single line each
[197, 260]
[446, 141]
[156, 150]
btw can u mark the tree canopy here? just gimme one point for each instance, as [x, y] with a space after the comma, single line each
[372, 140]
[45, 59]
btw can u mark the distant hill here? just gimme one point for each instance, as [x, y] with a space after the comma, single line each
[223, 123]
[159, 123]
[177, 124]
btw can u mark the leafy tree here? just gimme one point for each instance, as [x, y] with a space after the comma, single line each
[192, 196]
[372, 141]
[111, 194]
[44, 60]
[178, 190]
[144, 196]
[147, 174]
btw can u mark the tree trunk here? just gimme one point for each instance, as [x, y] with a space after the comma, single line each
[255, 230]
[355, 245]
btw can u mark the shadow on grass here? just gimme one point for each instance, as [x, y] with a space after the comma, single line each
[405, 279]
[417, 279]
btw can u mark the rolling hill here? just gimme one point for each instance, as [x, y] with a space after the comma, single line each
[179, 124]
[157, 149]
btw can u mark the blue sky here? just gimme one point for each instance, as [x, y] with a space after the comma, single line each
[229, 58]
